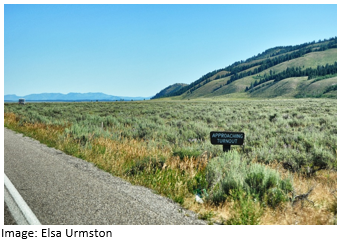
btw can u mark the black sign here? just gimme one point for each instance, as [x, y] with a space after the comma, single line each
[227, 138]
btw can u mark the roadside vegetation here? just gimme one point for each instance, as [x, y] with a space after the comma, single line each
[285, 173]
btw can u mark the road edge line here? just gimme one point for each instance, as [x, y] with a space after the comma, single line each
[20, 202]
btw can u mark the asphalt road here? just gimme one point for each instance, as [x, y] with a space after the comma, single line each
[8, 218]
[61, 189]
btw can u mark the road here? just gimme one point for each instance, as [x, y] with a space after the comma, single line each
[61, 189]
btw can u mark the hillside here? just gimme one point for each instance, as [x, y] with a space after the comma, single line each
[284, 71]
[169, 90]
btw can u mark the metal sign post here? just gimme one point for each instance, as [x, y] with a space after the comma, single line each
[227, 139]
[226, 148]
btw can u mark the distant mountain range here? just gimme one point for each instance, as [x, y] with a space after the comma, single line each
[72, 96]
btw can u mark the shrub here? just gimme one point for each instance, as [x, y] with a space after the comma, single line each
[229, 173]
[321, 159]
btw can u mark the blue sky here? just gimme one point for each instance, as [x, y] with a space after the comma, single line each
[137, 50]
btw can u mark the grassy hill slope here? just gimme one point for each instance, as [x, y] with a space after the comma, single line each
[311, 60]
[169, 90]
[232, 81]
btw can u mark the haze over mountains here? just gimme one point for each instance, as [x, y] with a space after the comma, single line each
[305, 70]
[72, 97]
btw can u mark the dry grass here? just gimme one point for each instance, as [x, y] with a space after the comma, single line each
[115, 154]
[44, 132]
[219, 213]
[323, 196]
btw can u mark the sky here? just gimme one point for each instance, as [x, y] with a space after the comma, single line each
[137, 50]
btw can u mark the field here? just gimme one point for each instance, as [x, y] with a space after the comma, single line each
[285, 173]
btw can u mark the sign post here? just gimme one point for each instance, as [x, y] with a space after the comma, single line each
[227, 139]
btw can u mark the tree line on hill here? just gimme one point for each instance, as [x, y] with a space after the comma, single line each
[284, 49]
[296, 72]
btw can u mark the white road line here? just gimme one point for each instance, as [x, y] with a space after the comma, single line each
[20, 211]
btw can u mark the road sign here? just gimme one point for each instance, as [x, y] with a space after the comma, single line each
[227, 139]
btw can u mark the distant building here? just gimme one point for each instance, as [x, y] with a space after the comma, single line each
[22, 101]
